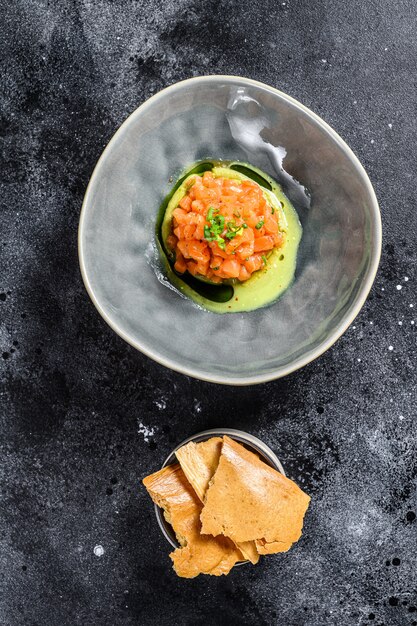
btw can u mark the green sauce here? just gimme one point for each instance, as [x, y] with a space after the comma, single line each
[265, 285]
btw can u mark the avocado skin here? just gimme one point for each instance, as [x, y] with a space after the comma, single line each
[266, 285]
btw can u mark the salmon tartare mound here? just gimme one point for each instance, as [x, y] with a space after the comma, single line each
[223, 229]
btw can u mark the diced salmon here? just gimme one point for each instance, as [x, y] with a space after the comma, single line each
[198, 206]
[180, 264]
[271, 225]
[238, 207]
[230, 268]
[243, 274]
[179, 232]
[182, 246]
[252, 220]
[279, 240]
[216, 262]
[188, 231]
[198, 251]
[185, 203]
[180, 216]
[263, 243]
[218, 251]
[254, 263]
[245, 251]
[199, 227]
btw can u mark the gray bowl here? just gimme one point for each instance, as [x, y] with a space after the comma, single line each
[230, 118]
[249, 441]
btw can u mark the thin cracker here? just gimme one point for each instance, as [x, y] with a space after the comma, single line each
[199, 462]
[198, 554]
[273, 547]
[248, 500]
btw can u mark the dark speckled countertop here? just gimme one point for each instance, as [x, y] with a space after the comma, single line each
[84, 416]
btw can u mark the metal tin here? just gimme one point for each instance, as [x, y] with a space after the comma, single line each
[249, 441]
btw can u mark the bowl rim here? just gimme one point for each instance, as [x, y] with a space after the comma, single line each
[308, 357]
[241, 436]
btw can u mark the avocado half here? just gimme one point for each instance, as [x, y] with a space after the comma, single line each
[232, 296]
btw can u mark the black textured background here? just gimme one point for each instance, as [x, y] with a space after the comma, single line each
[84, 416]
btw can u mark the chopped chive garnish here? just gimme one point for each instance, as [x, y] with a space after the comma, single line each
[264, 259]
[215, 228]
[233, 230]
[210, 213]
[259, 225]
[272, 210]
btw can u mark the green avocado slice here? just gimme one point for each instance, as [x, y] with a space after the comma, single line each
[265, 285]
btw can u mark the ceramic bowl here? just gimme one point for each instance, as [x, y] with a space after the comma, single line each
[229, 118]
[249, 441]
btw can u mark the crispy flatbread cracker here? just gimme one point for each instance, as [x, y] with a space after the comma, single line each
[271, 548]
[248, 500]
[249, 550]
[198, 554]
[199, 462]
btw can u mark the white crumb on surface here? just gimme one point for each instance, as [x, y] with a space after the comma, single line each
[406, 278]
[400, 323]
[161, 404]
[390, 348]
[98, 550]
[197, 406]
[146, 431]
[372, 140]
[399, 287]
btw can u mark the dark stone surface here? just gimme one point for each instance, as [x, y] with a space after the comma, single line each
[76, 399]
